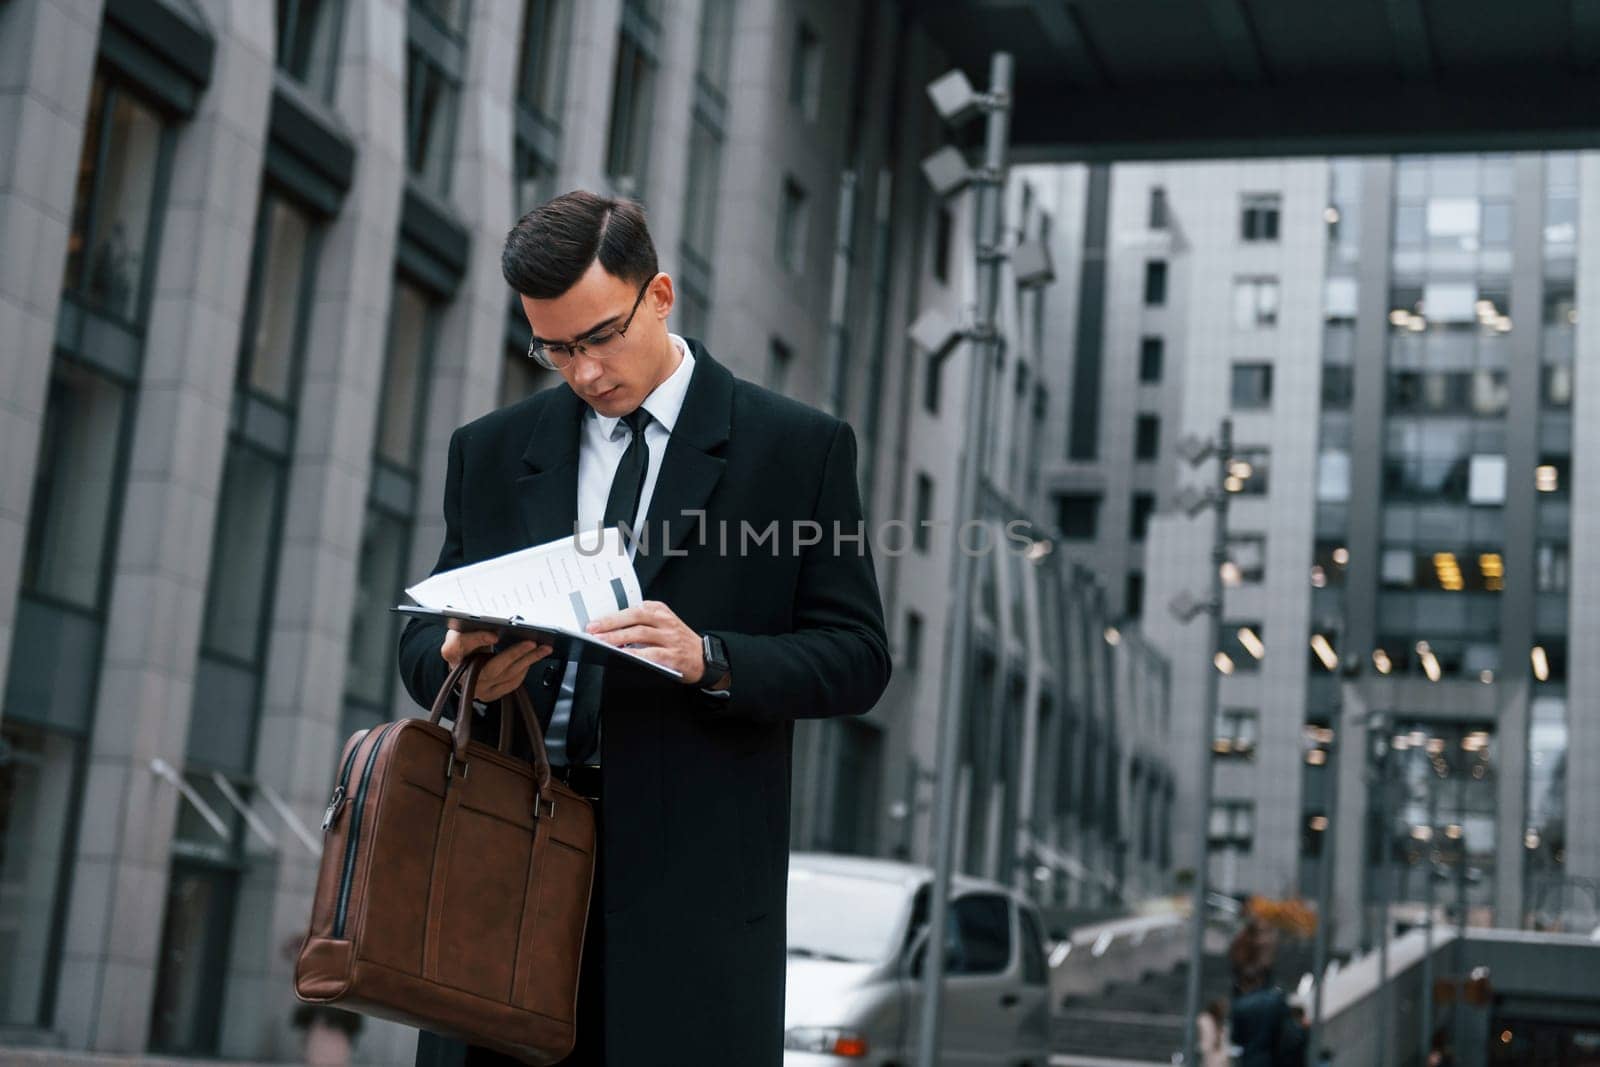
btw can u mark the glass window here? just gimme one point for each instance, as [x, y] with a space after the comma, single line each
[792, 227]
[1443, 569]
[1133, 595]
[931, 379]
[1146, 437]
[398, 418]
[430, 120]
[1339, 300]
[75, 486]
[1247, 559]
[1233, 825]
[37, 782]
[1338, 386]
[1155, 283]
[268, 361]
[1255, 302]
[920, 537]
[1235, 732]
[1143, 506]
[1330, 560]
[700, 202]
[1450, 303]
[944, 229]
[694, 315]
[805, 71]
[1248, 472]
[1259, 216]
[1160, 213]
[380, 580]
[186, 1010]
[984, 921]
[308, 42]
[237, 596]
[1151, 354]
[1552, 567]
[1077, 515]
[541, 65]
[716, 43]
[535, 178]
[1486, 480]
[1243, 643]
[108, 250]
[1454, 222]
[632, 93]
[1333, 475]
[1252, 385]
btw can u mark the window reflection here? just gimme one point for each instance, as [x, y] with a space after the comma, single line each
[308, 42]
[117, 182]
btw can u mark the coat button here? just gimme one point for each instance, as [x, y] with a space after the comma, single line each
[552, 674]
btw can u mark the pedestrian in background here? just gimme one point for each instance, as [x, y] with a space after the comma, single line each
[1213, 1033]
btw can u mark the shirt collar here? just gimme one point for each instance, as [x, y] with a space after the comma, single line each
[665, 400]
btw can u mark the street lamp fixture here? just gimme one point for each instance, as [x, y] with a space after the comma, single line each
[1031, 265]
[954, 98]
[935, 333]
[947, 171]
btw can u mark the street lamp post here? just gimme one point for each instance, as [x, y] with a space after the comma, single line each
[1325, 889]
[1380, 742]
[954, 98]
[1196, 452]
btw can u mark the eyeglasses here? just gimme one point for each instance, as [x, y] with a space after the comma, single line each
[599, 344]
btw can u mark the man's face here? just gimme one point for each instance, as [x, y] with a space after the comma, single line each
[612, 377]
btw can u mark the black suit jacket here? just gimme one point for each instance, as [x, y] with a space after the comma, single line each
[696, 817]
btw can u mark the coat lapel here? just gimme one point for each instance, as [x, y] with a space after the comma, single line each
[548, 497]
[691, 467]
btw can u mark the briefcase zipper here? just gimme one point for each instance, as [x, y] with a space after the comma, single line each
[348, 876]
[332, 811]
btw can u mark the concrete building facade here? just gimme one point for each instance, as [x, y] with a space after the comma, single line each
[251, 284]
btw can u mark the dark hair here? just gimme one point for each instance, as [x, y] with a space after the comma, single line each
[551, 246]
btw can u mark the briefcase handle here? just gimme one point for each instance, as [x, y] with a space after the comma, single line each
[466, 673]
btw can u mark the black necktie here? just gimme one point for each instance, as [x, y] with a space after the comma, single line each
[622, 506]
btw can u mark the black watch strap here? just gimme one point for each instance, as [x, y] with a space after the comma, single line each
[716, 655]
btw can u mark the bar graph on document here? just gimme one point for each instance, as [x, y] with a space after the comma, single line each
[566, 583]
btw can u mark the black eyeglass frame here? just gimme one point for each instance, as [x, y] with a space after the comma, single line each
[540, 351]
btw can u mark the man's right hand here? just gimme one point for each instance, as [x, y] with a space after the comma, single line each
[504, 671]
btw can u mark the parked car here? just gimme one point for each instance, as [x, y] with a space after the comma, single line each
[858, 933]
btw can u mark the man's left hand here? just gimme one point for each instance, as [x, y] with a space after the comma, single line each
[654, 632]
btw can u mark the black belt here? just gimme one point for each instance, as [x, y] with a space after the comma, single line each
[583, 779]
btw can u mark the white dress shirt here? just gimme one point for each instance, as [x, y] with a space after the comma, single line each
[601, 443]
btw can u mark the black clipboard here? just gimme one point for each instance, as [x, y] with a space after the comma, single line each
[568, 644]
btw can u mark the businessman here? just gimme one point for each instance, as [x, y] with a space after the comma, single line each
[759, 589]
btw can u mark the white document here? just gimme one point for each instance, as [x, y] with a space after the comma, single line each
[556, 589]
[567, 583]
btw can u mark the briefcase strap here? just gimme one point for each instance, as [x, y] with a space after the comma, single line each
[465, 674]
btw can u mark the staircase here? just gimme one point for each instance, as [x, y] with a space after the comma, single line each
[1143, 1021]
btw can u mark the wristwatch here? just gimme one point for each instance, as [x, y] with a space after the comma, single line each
[716, 654]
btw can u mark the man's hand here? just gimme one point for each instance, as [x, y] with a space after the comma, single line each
[504, 671]
[652, 630]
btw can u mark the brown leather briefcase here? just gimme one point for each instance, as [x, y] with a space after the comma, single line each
[454, 885]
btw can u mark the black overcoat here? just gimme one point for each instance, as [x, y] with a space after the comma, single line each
[763, 548]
